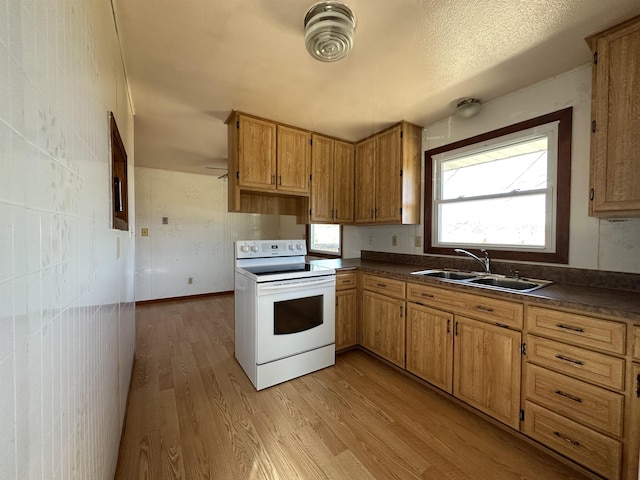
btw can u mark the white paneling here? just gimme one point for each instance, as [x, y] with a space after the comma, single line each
[67, 316]
[198, 240]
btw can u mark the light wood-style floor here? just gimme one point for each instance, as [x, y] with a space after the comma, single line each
[193, 414]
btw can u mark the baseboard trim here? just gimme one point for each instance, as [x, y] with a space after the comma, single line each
[186, 297]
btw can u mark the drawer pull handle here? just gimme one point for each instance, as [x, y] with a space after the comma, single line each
[382, 285]
[567, 359]
[638, 386]
[569, 396]
[428, 295]
[482, 307]
[569, 327]
[566, 439]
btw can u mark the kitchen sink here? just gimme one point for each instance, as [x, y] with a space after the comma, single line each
[447, 274]
[495, 281]
[507, 283]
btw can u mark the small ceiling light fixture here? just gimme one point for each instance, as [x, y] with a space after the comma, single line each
[328, 30]
[468, 107]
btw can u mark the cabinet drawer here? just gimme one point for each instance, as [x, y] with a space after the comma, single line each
[492, 310]
[585, 403]
[595, 451]
[636, 342]
[345, 280]
[577, 329]
[385, 286]
[426, 295]
[577, 362]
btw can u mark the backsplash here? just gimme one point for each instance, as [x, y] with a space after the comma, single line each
[565, 275]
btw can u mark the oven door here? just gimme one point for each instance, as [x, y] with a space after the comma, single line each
[294, 316]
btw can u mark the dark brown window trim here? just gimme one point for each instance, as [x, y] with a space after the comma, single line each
[322, 254]
[563, 190]
[119, 182]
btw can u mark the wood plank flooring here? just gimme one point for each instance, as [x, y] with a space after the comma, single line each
[193, 414]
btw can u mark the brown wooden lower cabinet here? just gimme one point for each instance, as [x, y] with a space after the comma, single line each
[345, 318]
[486, 368]
[430, 345]
[383, 326]
[576, 390]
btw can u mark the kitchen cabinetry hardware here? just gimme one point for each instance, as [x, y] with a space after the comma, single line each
[484, 309]
[638, 386]
[279, 179]
[427, 295]
[449, 331]
[456, 329]
[591, 194]
[381, 285]
[568, 395]
[501, 325]
[566, 439]
[569, 327]
[523, 348]
[593, 126]
[401, 312]
[567, 359]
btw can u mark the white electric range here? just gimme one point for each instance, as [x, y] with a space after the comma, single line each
[284, 311]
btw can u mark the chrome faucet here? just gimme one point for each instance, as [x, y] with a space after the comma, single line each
[486, 263]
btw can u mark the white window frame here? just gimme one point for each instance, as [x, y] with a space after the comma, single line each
[316, 251]
[548, 130]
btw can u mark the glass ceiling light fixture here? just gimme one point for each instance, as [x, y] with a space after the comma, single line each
[328, 30]
[468, 107]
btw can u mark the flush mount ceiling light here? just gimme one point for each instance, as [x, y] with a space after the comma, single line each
[468, 107]
[328, 31]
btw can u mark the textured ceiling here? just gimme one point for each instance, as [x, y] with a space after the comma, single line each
[190, 62]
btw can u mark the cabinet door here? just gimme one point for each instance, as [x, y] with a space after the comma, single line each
[343, 172]
[365, 181]
[615, 159]
[294, 156]
[430, 345]
[487, 368]
[345, 318]
[383, 326]
[632, 466]
[389, 176]
[322, 179]
[257, 153]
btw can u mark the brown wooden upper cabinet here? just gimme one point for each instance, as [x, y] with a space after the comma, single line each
[615, 144]
[387, 176]
[332, 170]
[269, 156]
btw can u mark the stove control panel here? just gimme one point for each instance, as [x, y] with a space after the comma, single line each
[270, 248]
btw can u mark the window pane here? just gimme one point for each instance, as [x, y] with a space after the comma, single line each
[325, 238]
[517, 221]
[521, 166]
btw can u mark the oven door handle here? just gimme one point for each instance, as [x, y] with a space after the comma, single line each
[306, 283]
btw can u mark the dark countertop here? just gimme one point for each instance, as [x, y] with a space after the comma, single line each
[602, 301]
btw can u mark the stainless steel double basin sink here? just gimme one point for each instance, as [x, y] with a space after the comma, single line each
[490, 280]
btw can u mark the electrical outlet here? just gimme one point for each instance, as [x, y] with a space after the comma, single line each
[394, 240]
[190, 281]
[165, 220]
[418, 241]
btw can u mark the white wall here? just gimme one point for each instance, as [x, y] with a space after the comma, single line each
[594, 244]
[199, 239]
[67, 328]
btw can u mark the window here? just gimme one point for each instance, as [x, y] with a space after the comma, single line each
[506, 191]
[324, 240]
